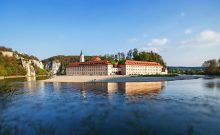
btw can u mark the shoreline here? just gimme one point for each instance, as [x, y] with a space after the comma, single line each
[119, 78]
[19, 76]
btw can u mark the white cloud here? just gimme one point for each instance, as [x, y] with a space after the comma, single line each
[157, 41]
[204, 39]
[188, 31]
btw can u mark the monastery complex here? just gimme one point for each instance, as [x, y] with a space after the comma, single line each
[96, 66]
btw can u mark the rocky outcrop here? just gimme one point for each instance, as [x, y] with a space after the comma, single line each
[53, 66]
[38, 63]
[7, 53]
[28, 66]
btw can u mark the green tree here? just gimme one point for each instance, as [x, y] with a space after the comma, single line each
[135, 53]
[211, 66]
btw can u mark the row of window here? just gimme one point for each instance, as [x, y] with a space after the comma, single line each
[144, 67]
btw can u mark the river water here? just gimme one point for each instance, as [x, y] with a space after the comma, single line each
[183, 107]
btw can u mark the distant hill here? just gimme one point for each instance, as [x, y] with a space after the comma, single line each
[65, 60]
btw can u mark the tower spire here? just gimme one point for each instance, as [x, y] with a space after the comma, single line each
[81, 53]
[82, 57]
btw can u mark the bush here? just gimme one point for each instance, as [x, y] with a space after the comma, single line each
[40, 71]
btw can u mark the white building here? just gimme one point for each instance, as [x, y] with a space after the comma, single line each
[131, 67]
[96, 66]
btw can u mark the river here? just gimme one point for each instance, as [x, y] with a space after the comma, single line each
[183, 107]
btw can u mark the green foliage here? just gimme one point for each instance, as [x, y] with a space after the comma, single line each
[40, 71]
[149, 56]
[135, 55]
[113, 62]
[187, 70]
[10, 66]
[65, 60]
[212, 67]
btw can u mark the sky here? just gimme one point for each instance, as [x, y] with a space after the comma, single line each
[183, 32]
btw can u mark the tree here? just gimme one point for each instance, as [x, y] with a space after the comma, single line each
[119, 56]
[211, 66]
[129, 54]
[122, 56]
[116, 57]
[135, 53]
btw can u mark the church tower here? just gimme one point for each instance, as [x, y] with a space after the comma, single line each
[82, 57]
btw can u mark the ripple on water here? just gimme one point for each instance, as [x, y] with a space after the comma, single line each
[178, 107]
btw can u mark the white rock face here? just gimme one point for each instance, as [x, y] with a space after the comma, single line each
[29, 67]
[7, 53]
[38, 63]
[53, 66]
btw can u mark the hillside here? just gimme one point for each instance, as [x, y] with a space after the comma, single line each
[65, 60]
[10, 66]
[13, 63]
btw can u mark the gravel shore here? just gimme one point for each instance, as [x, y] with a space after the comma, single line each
[118, 78]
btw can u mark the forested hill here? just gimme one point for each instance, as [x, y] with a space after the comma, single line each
[113, 58]
[65, 60]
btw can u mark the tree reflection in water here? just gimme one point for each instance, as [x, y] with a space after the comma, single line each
[213, 84]
[7, 89]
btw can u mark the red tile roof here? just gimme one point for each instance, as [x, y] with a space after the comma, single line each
[96, 58]
[141, 63]
[88, 63]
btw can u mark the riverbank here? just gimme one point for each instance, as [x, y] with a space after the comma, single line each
[8, 77]
[118, 78]
[19, 76]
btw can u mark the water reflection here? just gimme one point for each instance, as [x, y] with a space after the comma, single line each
[127, 88]
[111, 108]
[213, 84]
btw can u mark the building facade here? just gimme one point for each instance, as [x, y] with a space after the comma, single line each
[96, 66]
[131, 67]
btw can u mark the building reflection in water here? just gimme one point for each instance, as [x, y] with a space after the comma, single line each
[127, 88]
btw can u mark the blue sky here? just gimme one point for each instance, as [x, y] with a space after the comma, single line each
[184, 32]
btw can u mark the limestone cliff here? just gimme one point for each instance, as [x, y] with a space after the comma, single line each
[53, 66]
[13, 61]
